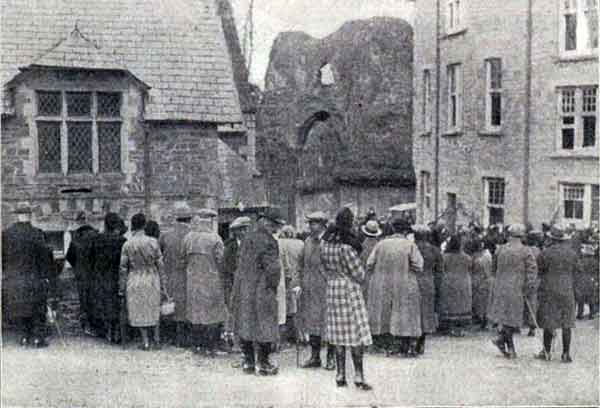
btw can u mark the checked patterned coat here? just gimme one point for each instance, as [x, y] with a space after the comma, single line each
[347, 317]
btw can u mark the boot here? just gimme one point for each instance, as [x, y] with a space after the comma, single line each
[484, 324]
[580, 307]
[566, 340]
[359, 376]
[248, 363]
[315, 353]
[420, 349]
[330, 366]
[412, 348]
[264, 365]
[340, 363]
[512, 354]
[180, 335]
[531, 332]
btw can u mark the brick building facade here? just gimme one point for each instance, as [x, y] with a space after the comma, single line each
[490, 85]
[334, 124]
[124, 106]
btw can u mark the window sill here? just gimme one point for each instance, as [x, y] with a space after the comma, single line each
[576, 58]
[76, 177]
[491, 133]
[452, 133]
[425, 134]
[577, 154]
[454, 33]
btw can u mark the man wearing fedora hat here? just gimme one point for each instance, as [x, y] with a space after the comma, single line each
[254, 298]
[516, 271]
[171, 245]
[556, 296]
[25, 277]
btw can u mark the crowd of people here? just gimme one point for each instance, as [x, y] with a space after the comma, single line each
[381, 285]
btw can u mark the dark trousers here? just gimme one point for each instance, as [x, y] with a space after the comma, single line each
[85, 304]
[206, 335]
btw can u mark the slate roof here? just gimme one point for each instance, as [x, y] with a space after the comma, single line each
[176, 47]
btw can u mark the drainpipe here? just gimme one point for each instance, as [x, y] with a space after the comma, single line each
[147, 164]
[527, 130]
[437, 111]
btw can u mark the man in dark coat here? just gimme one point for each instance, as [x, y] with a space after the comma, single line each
[556, 309]
[78, 256]
[254, 297]
[26, 263]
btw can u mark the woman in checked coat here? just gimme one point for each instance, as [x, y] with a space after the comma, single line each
[347, 317]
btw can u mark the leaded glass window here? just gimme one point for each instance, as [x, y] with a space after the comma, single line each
[80, 147]
[109, 143]
[49, 147]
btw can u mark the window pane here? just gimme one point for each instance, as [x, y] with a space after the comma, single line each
[49, 103]
[79, 103]
[496, 215]
[495, 73]
[568, 138]
[109, 104]
[496, 109]
[457, 13]
[80, 146]
[589, 99]
[109, 144]
[453, 111]
[592, 26]
[568, 100]
[595, 202]
[570, 32]
[568, 120]
[496, 191]
[589, 131]
[49, 157]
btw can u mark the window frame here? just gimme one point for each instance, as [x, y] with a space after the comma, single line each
[490, 90]
[457, 76]
[94, 118]
[578, 123]
[425, 190]
[427, 111]
[455, 16]
[582, 34]
[487, 183]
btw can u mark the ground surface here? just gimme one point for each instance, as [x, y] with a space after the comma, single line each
[89, 373]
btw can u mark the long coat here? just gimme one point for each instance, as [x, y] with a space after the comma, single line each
[230, 264]
[171, 245]
[455, 288]
[516, 271]
[532, 295]
[587, 268]
[203, 257]
[313, 302]
[394, 301]
[25, 271]
[141, 276]
[347, 317]
[105, 260]
[433, 265]
[367, 247]
[481, 282]
[79, 257]
[556, 295]
[254, 297]
[290, 252]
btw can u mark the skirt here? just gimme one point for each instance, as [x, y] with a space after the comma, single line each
[347, 317]
[143, 298]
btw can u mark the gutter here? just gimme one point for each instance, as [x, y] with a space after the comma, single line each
[436, 198]
[527, 130]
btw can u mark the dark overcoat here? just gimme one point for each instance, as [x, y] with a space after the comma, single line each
[556, 295]
[26, 263]
[313, 300]
[455, 289]
[79, 257]
[230, 264]
[105, 261]
[171, 245]
[433, 265]
[516, 271]
[254, 297]
[588, 267]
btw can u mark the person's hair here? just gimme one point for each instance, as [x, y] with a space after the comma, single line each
[152, 229]
[138, 221]
[342, 232]
[112, 222]
[454, 244]
[402, 226]
[421, 236]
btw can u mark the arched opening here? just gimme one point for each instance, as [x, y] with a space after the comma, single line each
[306, 127]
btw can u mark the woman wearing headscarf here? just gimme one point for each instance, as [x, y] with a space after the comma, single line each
[347, 317]
[105, 260]
[141, 280]
[455, 288]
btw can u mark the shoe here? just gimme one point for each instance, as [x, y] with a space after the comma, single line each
[144, 347]
[363, 386]
[499, 343]
[543, 355]
[156, 346]
[531, 333]
[39, 343]
[248, 368]
[267, 369]
[341, 383]
[330, 365]
[313, 362]
[566, 358]
[24, 342]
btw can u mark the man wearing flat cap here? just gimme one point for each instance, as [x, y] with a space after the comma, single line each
[254, 298]
[516, 271]
[25, 277]
[313, 299]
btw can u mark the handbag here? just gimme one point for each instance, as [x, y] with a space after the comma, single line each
[167, 308]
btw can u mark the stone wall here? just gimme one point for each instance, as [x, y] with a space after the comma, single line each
[346, 98]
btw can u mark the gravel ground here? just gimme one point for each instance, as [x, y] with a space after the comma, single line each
[463, 371]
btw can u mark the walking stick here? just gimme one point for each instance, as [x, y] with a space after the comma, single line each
[531, 313]
[53, 320]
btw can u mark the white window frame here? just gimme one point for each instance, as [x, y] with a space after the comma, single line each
[486, 199]
[580, 8]
[491, 90]
[587, 204]
[454, 73]
[455, 16]
[426, 107]
[425, 189]
[578, 111]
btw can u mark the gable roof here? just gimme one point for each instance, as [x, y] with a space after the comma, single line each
[176, 47]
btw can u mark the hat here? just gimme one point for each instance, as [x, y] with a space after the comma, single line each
[317, 216]
[421, 228]
[535, 233]
[401, 223]
[587, 249]
[112, 221]
[371, 229]
[273, 214]
[81, 217]
[516, 230]
[181, 209]
[23, 208]
[558, 232]
[344, 218]
[240, 222]
[206, 213]
[287, 232]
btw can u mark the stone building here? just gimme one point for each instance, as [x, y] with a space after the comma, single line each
[505, 124]
[334, 125]
[125, 106]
